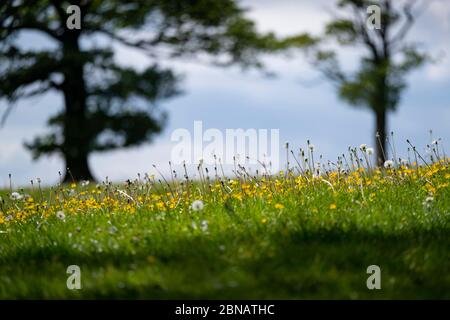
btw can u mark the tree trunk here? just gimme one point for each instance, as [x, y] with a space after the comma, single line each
[380, 139]
[76, 146]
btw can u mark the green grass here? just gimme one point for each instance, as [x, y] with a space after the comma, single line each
[250, 249]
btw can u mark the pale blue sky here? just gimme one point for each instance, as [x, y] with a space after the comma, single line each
[297, 101]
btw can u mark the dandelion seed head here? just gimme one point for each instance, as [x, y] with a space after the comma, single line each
[197, 205]
[369, 151]
[204, 225]
[60, 215]
[389, 164]
[16, 196]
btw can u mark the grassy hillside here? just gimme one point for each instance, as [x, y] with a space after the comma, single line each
[301, 234]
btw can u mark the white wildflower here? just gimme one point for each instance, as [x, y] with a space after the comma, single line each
[204, 225]
[428, 201]
[369, 151]
[197, 205]
[84, 183]
[363, 147]
[16, 196]
[60, 215]
[389, 164]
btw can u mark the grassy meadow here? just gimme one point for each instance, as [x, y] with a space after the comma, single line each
[307, 232]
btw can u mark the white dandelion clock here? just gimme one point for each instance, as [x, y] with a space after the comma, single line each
[428, 201]
[369, 151]
[389, 164]
[60, 215]
[84, 183]
[204, 225]
[16, 196]
[197, 205]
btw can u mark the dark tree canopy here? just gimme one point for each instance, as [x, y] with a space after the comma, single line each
[108, 106]
[388, 57]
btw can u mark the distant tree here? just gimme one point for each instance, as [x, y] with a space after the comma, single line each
[387, 57]
[108, 106]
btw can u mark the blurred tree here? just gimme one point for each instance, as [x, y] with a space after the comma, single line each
[108, 106]
[387, 57]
